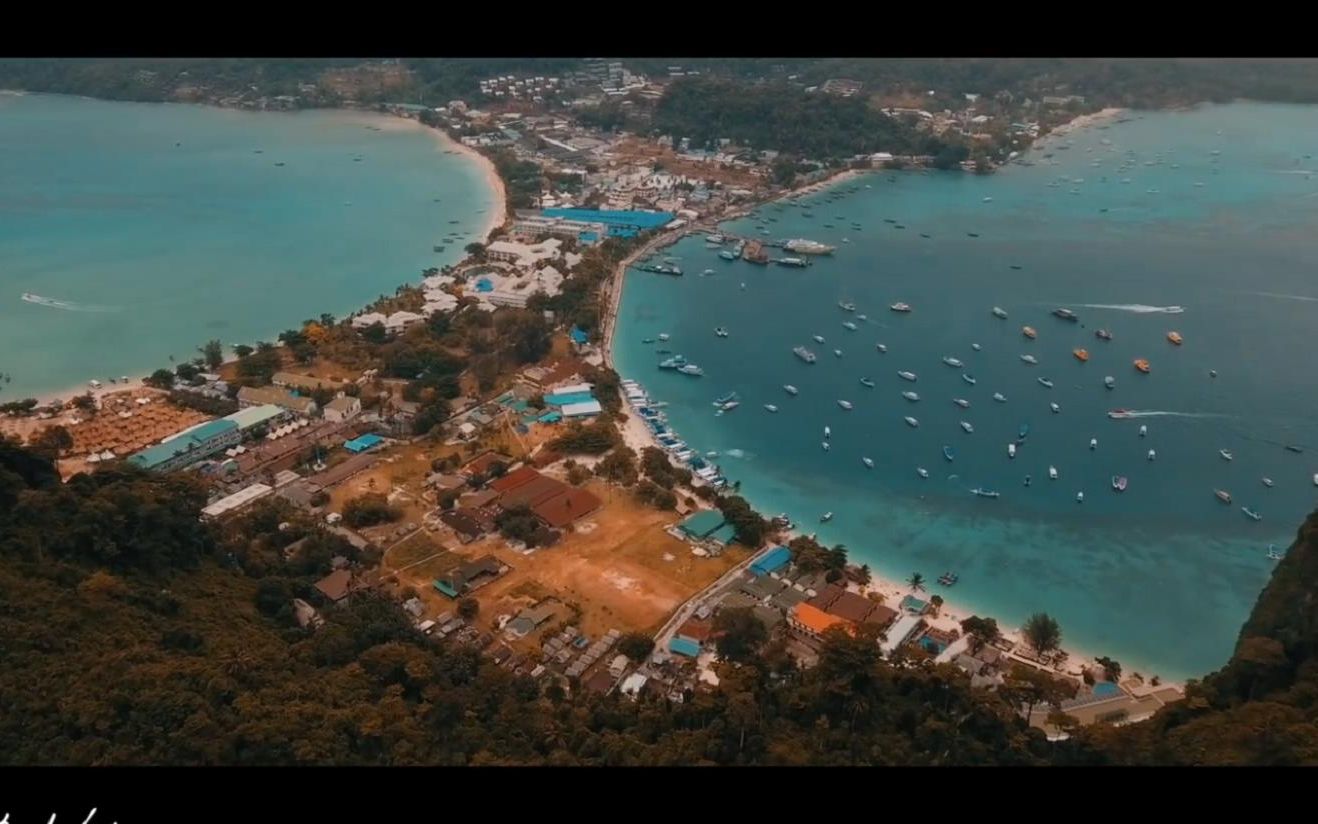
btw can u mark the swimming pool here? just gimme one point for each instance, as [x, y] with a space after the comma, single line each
[1106, 689]
[484, 285]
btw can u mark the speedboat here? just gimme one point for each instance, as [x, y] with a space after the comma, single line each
[827, 433]
[867, 382]
[1153, 453]
[672, 363]
[1065, 314]
[1174, 337]
[770, 407]
[976, 347]
[647, 340]
[1110, 382]
[1103, 334]
[1144, 430]
[900, 307]
[1028, 331]
[984, 493]
[848, 324]
[720, 331]
[1293, 448]
[837, 353]
[951, 361]
[731, 396]
[911, 396]
[1142, 365]
[1030, 359]
[1052, 473]
[826, 517]
[1023, 432]
[881, 348]
[728, 254]
[818, 338]
[789, 389]
[1081, 355]
[999, 312]
[845, 404]
[1267, 482]
[999, 397]
[1119, 483]
[922, 472]
[804, 354]
[825, 445]
[663, 336]
[707, 272]
[862, 317]
[1093, 443]
[967, 427]
[868, 462]
[1273, 554]
[691, 369]
[1046, 382]
[1251, 514]
[907, 376]
[1222, 495]
[970, 379]
[1079, 497]
[1119, 414]
[846, 307]
[729, 406]
[1011, 450]
[961, 402]
[1055, 408]
[949, 453]
[912, 422]
[1226, 454]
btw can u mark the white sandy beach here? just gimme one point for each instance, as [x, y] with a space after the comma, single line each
[1084, 121]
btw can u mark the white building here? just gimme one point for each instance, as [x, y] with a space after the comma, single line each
[342, 408]
[368, 319]
[399, 321]
[523, 255]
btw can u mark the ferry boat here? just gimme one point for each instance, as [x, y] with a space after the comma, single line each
[1267, 482]
[1011, 450]
[1081, 355]
[768, 407]
[1119, 483]
[1251, 514]
[912, 422]
[999, 312]
[849, 325]
[910, 396]
[1226, 454]
[867, 382]
[1052, 473]
[1110, 382]
[1028, 331]
[1045, 382]
[691, 369]
[1065, 314]
[804, 354]
[970, 379]
[1030, 359]
[845, 405]
[953, 362]
[1103, 334]
[789, 389]
[818, 338]
[794, 262]
[949, 453]
[900, 307]
[846, 307]
[984, 493]
[1174, 337]
[1222, 495]
[1142, 365]
[1055, 408]
[721, 332]
[808, 247]
[907, 376]
[961, 402]
[868, 462]
[999, 397]
[881, 348]
[922, 472]
[967, 427]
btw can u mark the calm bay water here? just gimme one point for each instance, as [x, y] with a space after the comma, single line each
[1161, 576]
[161, 226]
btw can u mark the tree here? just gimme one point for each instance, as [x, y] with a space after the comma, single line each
[468, 607]
[937, 603]
[916, 582]
[369, 510]
[619, 465]
[212, 351]
[1027, 687]
[53, 441]
[863, 575]
[475, 250]
[186, 371]
[242, 350]
[750, 527]
[578, 475]
[160, 379]
[637, 646]
[1111, 668]
[1043, 633]
[740, 634]
[981, 631]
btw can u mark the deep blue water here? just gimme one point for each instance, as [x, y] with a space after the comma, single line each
[164, 226]
[1161, 576]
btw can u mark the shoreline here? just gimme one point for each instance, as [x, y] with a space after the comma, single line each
[1084, 121]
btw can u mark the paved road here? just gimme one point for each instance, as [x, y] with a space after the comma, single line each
[688, 609]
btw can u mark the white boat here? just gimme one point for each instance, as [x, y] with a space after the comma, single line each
[881, 348]
[828, 433]
[984, 493]
[1093, 443]
[849, 325]
[1011, 450]
[1267, 482]
[869, 463]
[867, 382]
[808, 247]
[862, 317]
[1055, 408]
[1226, 454]
[966, 426]
[846, 306]
[721, 332]
[837, 352]
[1045, 382]
[1052, 473]
[825, 445]
[1315, 479]
[914, 423]
[1030, 359]
[1110, 382]
[976, 346]
[1144, 430]
[988, 200]
[845, 404]
[999, 312]
[922, 472]
[1273, 554]
[961, 402]
[1079, 497]
[770, 407]
[827, 516]
[970, 379]
[953, 362]
[1152, 454]
[663, 336]
[900, 307]
[789, 389]
[911, 396]
[804, 354]
[907, 376]
[818, 338]
[691, 369]
[999, 397]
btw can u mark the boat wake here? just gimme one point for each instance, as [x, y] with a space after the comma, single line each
[67, 306]
[740, 454]
[1304, 298]
[1164, 413]
[1137, 308]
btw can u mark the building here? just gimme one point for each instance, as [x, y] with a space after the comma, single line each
[186, 448]
[900, 632]
[582, 409]
[342, 408]
[467, 523]
[813, 622]
[772, 561]
[566, 508]
[482, 463]
[255, 416]
[684, 646]
[336, 586]
[275, 396]
[528, 619]
[469, 576]
[633, 685]
[618, 223]
[701, 524]
[537, 226]
[523, 255]
[236, 501]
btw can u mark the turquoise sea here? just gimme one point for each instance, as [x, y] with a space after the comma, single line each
[158, 227]
[1110, 223]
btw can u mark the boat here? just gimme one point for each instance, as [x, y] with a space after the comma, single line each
[845, 405]
[967, 427]
[731, 396]
[714, 238]
[818, 338]
[949, 453]
[910, 396]
[1293, 448]
[1251, 514]
[1079, 497]
[972, 234]
[1153, 453]
[1267, 482]
[789, 389]
[794, 262]
[729, 406]
[1081, 355]
[867, 382]
[999, 312]
[1045, 382]
[988, 200]
[1028, 331]
[770, 407]
[849, 325]
[837, 353]
[846, 307]
[1023, 432]
[953, 362]
[1226, 454]
[675, 362]
[1055, 408]
[900, 307]
[862, 316]
[922, 472]
[1222, 495]
[1011, 450]
[828, 433]
[1110, 382]
[1119, 483]
[1030, 359]
[721, 332]
[976, 347]
[999, 397]
[707, 272]
[868, 462]
[804, 354]
[1144, 430]
[1103, 334]
[1142, 365]
[907, 376]
[1174, 337]
[1315, 479]
[647, 340]
[826, 517]
[970, 379]
[1273, 554]
[808, 247]
[825, 445]
[691, 369]
[1052, 473]
[663, 336]
[1118, 414]
[961, 402]
[912, 422]
[1065, 314]
[728, 254]
[881, 348]
[984, 493]
[1093, 443]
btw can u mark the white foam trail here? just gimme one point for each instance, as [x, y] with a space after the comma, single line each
[1304, 298]
[68, 306]
[1163, 413]
[738, 453]
[1137, 308]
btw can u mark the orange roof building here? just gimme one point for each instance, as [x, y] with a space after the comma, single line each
[813, 621]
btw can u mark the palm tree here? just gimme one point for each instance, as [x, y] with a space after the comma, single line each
[916, 581]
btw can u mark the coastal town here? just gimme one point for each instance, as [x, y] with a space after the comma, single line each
[533, 504]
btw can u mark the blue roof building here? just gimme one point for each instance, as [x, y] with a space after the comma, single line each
[363, 443]
[618, 223]
[702, 524]
[188, 447]
[684, 646]
[773, 560]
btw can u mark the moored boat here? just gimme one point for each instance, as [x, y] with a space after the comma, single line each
[789, 389]
[984, 493]
[1028, 331]
[912, 422]
[999, 312]
[1110, 382]
[867, 382]
[818, 338]
[849, 325]
[881, 348]
[1222, 495]
[922, 472]
[1045, 382]
[1023, 432]
[1052, 473]
[868, 462]
[911, 396]
[953, 362]
[804, 354]
[826, 517]
[1142, 365]
[1103, 334]
[1053, 406]
[1093, 443]
[961, 402]
[1119, 483]
[1081, 355]
[970, 379]
[999, 397]
[967, 427]
[1226, 454]
[949, 453]
[1030, 359]
[770, 407]
[1267, 482]
[1174, 337]
[1011, 450]
[900, 307]
[845, 405]
[907, 376]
